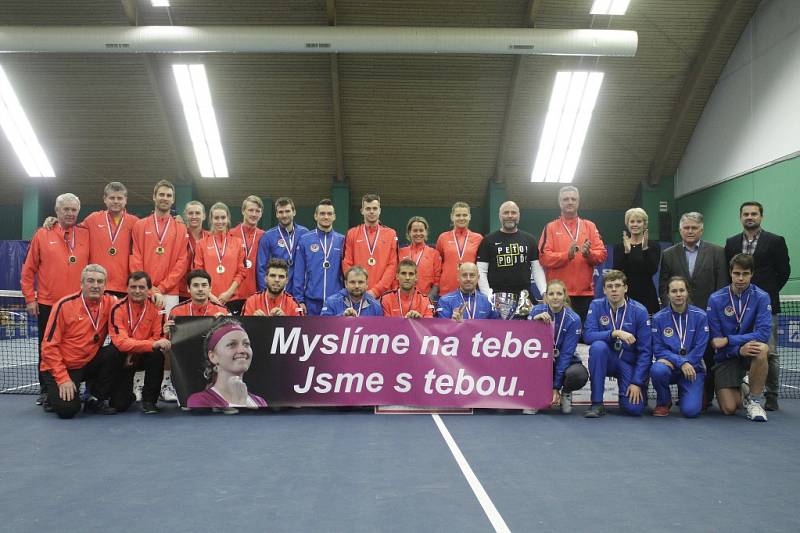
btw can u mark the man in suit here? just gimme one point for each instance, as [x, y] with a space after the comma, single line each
[772, 270]
[704, 265]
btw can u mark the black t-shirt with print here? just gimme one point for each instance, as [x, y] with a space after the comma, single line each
[509, 256]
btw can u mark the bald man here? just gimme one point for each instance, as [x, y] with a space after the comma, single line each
[508, 262]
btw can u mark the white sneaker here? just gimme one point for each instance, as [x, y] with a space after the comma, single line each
[566, 402]
[168, 393]
[138, 385]
[529, 411]
[755, 412]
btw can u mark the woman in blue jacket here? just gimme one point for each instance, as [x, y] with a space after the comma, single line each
[680, 337]
[568, 373]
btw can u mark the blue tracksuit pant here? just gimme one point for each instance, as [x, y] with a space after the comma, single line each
[604, 362]
[690, 393]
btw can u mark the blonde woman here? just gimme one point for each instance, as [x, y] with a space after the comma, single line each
[638, 259]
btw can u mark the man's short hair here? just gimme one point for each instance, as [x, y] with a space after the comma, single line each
[636, 212]
[61, 199]
[614, 275]
[163, 183]
[691, 215]
[198, 273]
[370, 197]
[568, 188]
[407, 262]
[253, 199]
[752, 202]
[141, 274]
[743, 261]
[93, 267]
[194, 203]
[277, 262]
[323, 202]
[283, 201]
[113, 187]
[356, 269]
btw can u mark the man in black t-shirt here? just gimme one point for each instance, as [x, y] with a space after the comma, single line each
[508, 260]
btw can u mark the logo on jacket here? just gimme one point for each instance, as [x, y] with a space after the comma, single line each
[668, 332]
[281, 243]
[729, 310]
[604, 320]
[314, 247]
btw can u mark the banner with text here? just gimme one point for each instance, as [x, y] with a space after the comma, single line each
[326, 361]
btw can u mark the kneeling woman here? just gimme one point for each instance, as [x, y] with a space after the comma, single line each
[228, 356]
[568, 373]
[680, 336]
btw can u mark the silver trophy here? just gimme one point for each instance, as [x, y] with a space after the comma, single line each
[524, 306]
[505, 303]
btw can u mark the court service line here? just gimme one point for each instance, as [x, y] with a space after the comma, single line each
[483, 498]
[20, 387]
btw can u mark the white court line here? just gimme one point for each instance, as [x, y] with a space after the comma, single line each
[790, 386]
[483, 498]
[20, 387]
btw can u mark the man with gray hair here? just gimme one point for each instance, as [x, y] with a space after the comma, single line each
[73, 352]
[570, 248]
[55, 258]
[704, 265]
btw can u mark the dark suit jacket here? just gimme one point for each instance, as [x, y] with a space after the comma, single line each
[772, 264]
[710, 271]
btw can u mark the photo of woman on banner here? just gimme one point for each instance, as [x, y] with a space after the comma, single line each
[228, 357]
[568, 373]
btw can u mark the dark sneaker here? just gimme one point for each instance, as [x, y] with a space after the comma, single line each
[771, 403]
[41, 398]
[595, 411]
[46, 406]
[98, 407]
[150, 408]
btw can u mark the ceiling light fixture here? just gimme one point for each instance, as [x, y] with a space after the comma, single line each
[20, 133]
[160, 3]
[201, 120]
[609, 7]
[568, 117]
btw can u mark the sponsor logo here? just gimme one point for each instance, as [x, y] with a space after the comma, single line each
[729, 310]
[604, 320]
[668, 332]
[281, 243]
[314, 247]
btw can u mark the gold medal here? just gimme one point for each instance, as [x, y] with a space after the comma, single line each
[160, 250]
[371, 261]
[72, 259]
[112, 251]
[220, 269]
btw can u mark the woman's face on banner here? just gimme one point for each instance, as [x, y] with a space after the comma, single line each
[232, 354]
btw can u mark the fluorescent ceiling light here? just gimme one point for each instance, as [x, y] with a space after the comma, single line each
[20, 133]
[160, 3]
[609, 7]
[201, 120]
[565, 127]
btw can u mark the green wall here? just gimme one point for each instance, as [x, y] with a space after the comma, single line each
[11, 228]
[777, 187]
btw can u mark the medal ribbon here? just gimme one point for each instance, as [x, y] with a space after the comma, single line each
[419, 257]
[95, 321]
[266, 301]
[360, 306]
[371, 247]
[224, 246]
[461, 250]
[113, 236]
[326, 250]
[470, 308]
[248, 249]
[289, 242]
[191, 309]
[411, 302]
[561, 325]
[70, 245]
[680, 329]
[159, 234]
[130, 317]
[737, 310]
[614, 314]
[577, 231]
